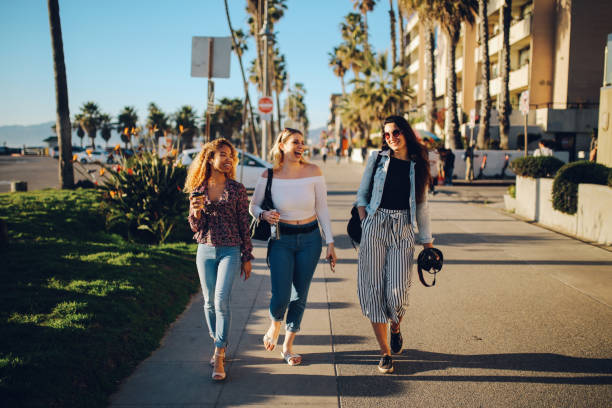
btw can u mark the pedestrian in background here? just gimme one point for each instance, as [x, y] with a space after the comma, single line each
[468, 156]
[364, 153]
[543, 149]
[300, 199]
[350, 154]
[449, 167]
[219, 216]
[397, 205]
[338, 153]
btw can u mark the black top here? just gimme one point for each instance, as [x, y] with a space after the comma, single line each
[396, 193]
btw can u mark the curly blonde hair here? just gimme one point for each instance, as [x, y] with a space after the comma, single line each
[200, 169]
[276, 153]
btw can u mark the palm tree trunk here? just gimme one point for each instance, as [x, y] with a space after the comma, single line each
[402, 41]
[343, 87]
[278, 110]
[485, 105]
[366, 44]
[452, 123]
[504, 97]
[393, 39]
[244, 82]
[430, 66]
[64, 130]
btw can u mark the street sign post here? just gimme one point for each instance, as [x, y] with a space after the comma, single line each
[524, 108]
[265, 106]
[210, 58]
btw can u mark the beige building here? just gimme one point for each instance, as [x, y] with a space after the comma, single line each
[556, 52]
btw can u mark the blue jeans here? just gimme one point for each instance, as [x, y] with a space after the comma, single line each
[217, 268]
[293, 260]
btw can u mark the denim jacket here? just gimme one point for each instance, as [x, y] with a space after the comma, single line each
[419, 213]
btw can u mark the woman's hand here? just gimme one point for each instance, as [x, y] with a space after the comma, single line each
[196, 204]
[271, 216]
[428, 245]
[331, 256]
[245, 269]
[362, 213]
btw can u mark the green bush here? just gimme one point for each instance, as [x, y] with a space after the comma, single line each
[565, 186]
[536, 167]
[610, 178]
[512, 190]
[144, 198]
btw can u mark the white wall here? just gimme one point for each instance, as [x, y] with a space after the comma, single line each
[595, 213]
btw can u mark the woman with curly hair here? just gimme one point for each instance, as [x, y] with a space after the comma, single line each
[397, 205]
[300, 199]
[219, 216]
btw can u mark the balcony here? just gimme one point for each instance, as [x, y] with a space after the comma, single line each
[494, 5]
[413, 45]
[414, 67]
[459, 65]
[519, 78]
[518, 32]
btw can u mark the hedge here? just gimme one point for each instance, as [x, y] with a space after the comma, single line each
[610, 178]
[565, 185]
[536, 167]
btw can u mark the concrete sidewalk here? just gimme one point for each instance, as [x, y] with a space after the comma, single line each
[520, 316]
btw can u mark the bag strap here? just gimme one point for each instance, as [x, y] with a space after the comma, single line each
[268, 193]
[378, 157]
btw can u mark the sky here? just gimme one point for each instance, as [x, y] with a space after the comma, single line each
[133, 52]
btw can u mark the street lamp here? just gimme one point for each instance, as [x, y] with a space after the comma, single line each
[267, 35]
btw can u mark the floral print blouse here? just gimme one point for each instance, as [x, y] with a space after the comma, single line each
[224, 222]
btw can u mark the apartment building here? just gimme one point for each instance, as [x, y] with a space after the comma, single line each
[556, 53]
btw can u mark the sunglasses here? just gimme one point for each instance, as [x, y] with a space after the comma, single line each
[395, 133]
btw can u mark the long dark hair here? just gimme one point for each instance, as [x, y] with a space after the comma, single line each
[417, 152]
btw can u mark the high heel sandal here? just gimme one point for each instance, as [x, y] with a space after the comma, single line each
[218, 375]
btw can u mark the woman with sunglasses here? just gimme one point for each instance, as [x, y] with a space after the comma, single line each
[300, 197]
[397, 205]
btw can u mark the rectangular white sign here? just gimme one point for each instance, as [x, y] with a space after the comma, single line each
[222, 50]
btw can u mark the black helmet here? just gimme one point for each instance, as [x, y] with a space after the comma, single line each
[430, 260]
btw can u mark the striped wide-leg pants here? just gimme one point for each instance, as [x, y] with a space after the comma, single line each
[385, 265]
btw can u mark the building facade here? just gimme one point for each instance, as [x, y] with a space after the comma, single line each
[556, 53]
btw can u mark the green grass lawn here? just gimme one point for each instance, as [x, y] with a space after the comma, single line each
[79, 307]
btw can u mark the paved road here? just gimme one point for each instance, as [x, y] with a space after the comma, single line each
[520, 316]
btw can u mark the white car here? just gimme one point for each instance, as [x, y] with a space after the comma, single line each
[253, 166]
[91, 156]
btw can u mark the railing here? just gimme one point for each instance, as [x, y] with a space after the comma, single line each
[414, 67]
[518, 31]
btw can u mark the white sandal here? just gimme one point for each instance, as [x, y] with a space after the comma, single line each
[270, 342]
[218, 375]
[291, 358]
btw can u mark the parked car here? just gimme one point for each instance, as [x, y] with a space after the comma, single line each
[253, 165]
[92, 156]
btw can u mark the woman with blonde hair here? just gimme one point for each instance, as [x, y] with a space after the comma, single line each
[218, 214]
[300, 199]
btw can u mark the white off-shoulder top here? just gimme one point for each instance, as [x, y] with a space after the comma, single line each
[296, 199]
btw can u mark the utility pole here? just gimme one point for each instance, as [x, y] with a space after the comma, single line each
[265, 123]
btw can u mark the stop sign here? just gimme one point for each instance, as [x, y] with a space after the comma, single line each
[265, 105]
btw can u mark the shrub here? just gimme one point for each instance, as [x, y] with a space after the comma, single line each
[512, 190]
[565, 186]
[610, 178]
[536, 167]
[144, 197]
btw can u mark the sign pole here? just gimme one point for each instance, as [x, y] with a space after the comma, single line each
[526, 134]
[211, 86]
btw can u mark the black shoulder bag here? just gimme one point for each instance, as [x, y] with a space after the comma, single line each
[260, 229]
[353, 228]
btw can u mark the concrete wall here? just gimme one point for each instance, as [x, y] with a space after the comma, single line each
[604, 148]
[592, 221]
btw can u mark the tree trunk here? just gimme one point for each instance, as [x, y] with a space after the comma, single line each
[343, 87]
[402, 41]
[64, 130]
[278, 111]
[504, 97]
[393, 39]
[485, 105]
[430, 66]
[451, 126]
[244, 82]
[366, 45]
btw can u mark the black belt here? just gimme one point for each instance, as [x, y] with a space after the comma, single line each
[295, 229]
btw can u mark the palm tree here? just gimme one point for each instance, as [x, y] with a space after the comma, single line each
[485, 105]
[451, 14]
[65, 171]
[157, 120]
[364, 6]
[126, 124]
[185, 120]
[105, 127]
[90, 120]
[353, 32]
[280, 81]
[239, 46]
[392, 32]
[295, 107]
[227, 119]
[425, 11]
[337, 64]
[504, 97]
[402, 41]
[76, 125]
[355, 114]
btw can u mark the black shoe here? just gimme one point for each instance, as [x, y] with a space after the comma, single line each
[386, 364]
[396, 342]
